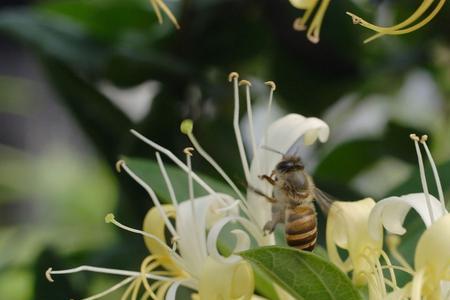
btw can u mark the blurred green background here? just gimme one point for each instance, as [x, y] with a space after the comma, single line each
[76, 75]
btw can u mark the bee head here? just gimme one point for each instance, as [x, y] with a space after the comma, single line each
[290, 164]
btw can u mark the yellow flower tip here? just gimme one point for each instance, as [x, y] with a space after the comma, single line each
[299, 25]
[272, 85]
[245, 82]
[187, 126]
[414, 137]
[423, 138]
[119, 165]
[188, 151]
[48, 274]
[232, 76]
[109, 218]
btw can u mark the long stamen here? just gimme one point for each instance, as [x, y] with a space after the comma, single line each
[392, 242]
[237, 131]
[423, 140]
[50, 272]
[145, 268]
[273, 87]
[391, 270]
[167, 181]
[314, 28]
[129, 289]
[249, 113]
[122, 165]
[423, 178]
[187, 128]
[111, 289]
[111, 219]
[188, 152]
[179, 163]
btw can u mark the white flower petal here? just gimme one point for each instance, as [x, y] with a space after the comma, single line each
[191, 228]
[242, 243]
[391, 212]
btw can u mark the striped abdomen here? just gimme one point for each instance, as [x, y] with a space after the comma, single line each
[301, 227]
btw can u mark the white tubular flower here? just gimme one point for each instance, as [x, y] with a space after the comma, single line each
[347, 229]
[431, 277]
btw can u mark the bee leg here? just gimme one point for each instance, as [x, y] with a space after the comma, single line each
[277, 217]
[258, 192]
[268, 178]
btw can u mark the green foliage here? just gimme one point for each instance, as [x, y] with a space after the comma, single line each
[303, 274]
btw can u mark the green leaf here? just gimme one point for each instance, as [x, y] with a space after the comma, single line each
[303, 274]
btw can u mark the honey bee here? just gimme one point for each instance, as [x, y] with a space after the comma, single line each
[292, 200]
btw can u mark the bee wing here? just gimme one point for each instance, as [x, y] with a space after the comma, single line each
[324, 200]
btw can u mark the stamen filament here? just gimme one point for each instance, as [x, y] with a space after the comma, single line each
[188, 152]
[111, 289]
[133, 274]
[273, 87]
[129, 289]
[423, 178]
[391, 270]
[152, 195]
[237, 131]
[167, 181]
[435, 172]
[178, 162]
[249, 114]
[313, 33]
[166, 9]
[393, 241]
[111, 219]
[210, 160]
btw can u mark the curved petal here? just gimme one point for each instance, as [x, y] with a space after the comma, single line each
[281, 136]
[226, 281]
[391, 213]
[154, 224]
[302, 4]
[347, 228]
[191, 225]
[433, 256]
[242, 239]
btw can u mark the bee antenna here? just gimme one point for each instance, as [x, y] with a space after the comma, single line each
[272, 150]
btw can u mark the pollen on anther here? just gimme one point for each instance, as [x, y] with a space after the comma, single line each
[109, 218]
[272, 85]
[424, 138]
[414, 137]
[186, 126]
[188, 151]
[245, 82]
[119, 165]
[232, 76]
[48, 275]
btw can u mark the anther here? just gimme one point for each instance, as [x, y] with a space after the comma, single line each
[414, 137]
[299, 25]
[232, 76]
[423, 138]
[119, 165]
[109, 218]
[272, 85]
[355, 19]
[186, 126]
[48, 275]
[245, 82]
[188, 151]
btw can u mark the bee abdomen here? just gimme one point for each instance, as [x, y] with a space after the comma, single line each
[301, 228]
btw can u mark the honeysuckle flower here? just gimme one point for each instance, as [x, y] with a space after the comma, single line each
[194, 264]
[159, 5]
[412, 23]
[431, 276]
[192, 258]
[309, 6]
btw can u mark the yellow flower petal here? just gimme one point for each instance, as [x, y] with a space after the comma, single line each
[226, 281]
[347, 228]
[433, 257]
[303, 4]
[154, 224]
